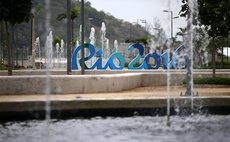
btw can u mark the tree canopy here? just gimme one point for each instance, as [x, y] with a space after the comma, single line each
[15, 11]
[214, 15]
[75, 12]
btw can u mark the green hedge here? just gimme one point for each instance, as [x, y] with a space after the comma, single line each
[136, 65]
[211, 80]
[3, 67]
[219, 65]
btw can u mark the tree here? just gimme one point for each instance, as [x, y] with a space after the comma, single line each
[215, 17]
[13, 12]
[200, 42]
[159, 34]
[182, 33]
[75, 11]
[144, 40]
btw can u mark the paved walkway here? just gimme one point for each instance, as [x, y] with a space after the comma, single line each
[143, 98]
[137, 93]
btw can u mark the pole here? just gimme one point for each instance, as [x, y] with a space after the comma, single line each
[82, 38]
[69, 42]
[33, 40]
[171, 24]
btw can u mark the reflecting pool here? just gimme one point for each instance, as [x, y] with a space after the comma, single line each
[197, 128]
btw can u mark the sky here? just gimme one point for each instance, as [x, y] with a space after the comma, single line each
[149, 10]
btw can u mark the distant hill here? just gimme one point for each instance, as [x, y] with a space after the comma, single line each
[116, 29]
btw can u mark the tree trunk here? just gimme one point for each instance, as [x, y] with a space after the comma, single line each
[222, 56]
[72, 38]
[12, 46]
[213, 58]
[1, 43]
[222, 52]
[227, 54]
[15, 43]
[9, 50]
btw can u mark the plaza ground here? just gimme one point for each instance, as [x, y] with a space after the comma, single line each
[151, 92]
[147, 91]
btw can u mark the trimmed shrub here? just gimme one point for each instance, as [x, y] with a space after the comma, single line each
[210, 80]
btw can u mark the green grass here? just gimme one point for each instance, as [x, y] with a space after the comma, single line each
[211, 80]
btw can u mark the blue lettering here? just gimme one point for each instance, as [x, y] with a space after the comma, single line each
[163, 59]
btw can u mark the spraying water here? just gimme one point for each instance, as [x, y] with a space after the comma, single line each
[48, 46]
[168, 70]
[103, 38]
[92, 36]
[62, 49]
[115, 44]
[107, 48]
[38, 51]
[189, 44]
[49, 51]
[92, 41]
[152, 46]
[103, 41]
[58, 54]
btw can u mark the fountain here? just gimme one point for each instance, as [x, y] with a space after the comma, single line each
[109, 93]
[38, 52]
[152, 46]
[92, 36]
[107, 49]
[103, 39]
[49, 50]
[104, 42]
[92, 41]
[115, 44]
[62, 49]
[58, 58]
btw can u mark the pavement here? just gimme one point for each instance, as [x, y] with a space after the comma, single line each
[145, 100]
[150, 92]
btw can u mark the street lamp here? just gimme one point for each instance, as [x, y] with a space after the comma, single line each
[69, 37]
[144, 21]
[82, 38]
[171, 12]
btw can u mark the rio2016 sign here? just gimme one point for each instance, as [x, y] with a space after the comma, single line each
[159, 59]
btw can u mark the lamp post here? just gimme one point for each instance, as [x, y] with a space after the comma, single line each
[171, 13]
[145, 22]
[69, 34]
[82, 38]
[168, 74]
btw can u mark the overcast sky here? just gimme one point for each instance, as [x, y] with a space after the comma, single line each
[132, 10]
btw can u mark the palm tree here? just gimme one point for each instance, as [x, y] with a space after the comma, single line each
[182, 32]
[75, 11]
[10, 18]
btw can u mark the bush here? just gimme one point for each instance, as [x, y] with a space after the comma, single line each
[3, 67]
[225, 65]
[136, 65]
[210, 80]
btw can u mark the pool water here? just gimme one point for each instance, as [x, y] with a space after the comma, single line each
[197, 128]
